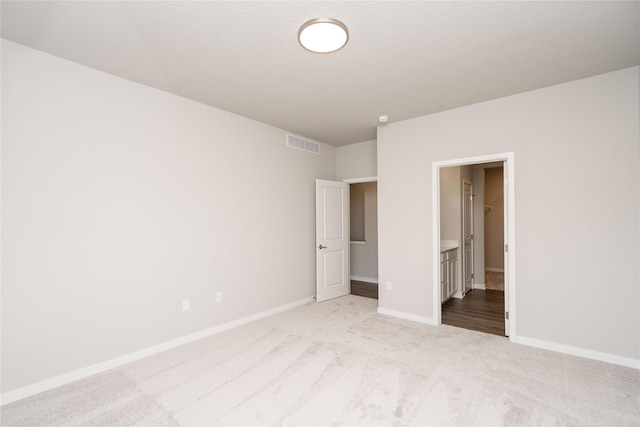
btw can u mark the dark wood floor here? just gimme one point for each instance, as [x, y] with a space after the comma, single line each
[479, 310]
[364, 289]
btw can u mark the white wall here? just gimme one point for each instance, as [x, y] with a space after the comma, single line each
[450, 206]
[451, 179]
[119, 201]
[577, 187]
[356, 160]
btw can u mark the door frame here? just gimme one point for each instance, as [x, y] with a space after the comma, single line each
[360, 180]
[509, 236]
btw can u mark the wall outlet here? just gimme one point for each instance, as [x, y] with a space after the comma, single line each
[218, 296]
[389, 286]
[185, 305]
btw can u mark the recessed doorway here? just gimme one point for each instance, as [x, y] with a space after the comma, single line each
[363, 195]
[461, 297]
[474, 194]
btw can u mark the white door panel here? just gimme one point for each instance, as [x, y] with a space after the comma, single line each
[333, 220]
[332, 240]
[333, 268]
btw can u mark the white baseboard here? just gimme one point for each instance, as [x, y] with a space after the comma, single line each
[79, 374]
[577, 351]
[407, 316]
[364, 279]
[481, 286]
[497, 270]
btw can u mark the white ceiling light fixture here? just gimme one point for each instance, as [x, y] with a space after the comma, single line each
[323, 35]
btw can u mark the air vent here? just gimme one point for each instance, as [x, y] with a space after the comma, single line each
[303, 144]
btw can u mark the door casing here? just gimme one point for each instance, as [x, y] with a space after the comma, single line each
[508, 160]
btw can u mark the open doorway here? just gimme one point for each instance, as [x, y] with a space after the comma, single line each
[472, 232]
[460, 255]
[364, 237]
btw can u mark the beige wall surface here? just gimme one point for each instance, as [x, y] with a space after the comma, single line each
[450, 207]
[357, 211]
[119, 201]
[356, 160]
[578, 274]
[494, 219]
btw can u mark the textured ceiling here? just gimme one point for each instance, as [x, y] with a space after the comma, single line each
[403, 59]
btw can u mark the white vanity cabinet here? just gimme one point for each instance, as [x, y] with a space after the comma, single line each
[448, 273]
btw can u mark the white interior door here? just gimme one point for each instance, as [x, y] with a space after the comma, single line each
[467, 233]
[332, 240]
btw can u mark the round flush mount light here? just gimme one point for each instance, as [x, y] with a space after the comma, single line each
[323, 35]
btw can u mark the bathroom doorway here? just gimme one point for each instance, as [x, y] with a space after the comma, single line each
[493, 307]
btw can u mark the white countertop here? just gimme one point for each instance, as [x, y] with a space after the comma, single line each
[447, 245]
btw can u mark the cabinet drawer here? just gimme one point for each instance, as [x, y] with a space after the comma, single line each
[449, 255]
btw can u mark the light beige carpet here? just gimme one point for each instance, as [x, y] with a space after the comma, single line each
[340, 363]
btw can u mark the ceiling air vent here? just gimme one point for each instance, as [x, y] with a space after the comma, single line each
[303, 144]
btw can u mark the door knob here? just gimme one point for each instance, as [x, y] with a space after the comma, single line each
[322, 247]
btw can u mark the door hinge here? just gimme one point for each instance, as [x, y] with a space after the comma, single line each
[506, 247]
[506, 315]
[472, 275]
